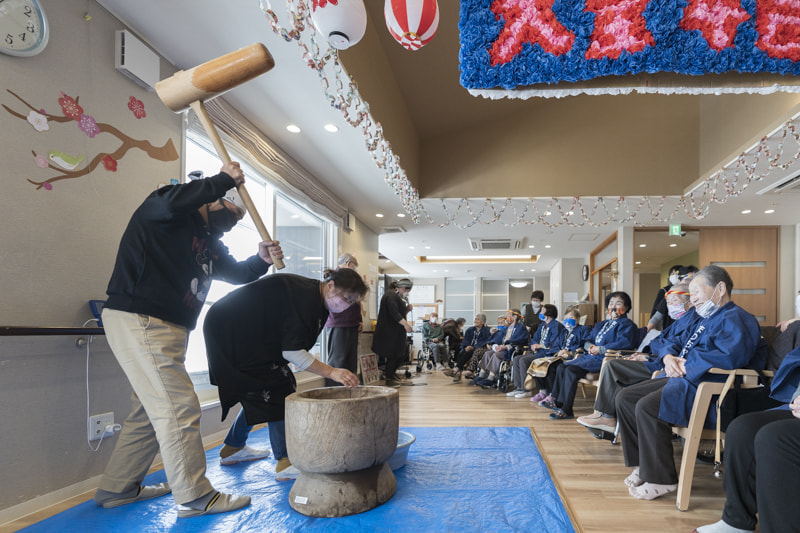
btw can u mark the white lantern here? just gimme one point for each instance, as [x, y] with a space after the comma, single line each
[342, 22]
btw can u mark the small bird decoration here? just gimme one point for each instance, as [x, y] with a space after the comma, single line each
[65, 161]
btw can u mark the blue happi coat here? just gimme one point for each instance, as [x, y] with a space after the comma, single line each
[620, 333]
[787, 378]
[727, 339]
[671, 340]
[519, 335]
[476, 337]
[570, 340]
[547, 334]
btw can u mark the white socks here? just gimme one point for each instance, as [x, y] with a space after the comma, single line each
[651, 491]
[633, 480]
[721, 527]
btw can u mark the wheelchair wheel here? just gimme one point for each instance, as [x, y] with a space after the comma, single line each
[419, 361]
[429, 365]
[502, 383]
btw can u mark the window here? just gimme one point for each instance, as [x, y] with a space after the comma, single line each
[308, 241]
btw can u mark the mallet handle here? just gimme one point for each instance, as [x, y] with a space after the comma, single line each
[222, 152]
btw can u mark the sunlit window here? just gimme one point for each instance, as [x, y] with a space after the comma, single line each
[301, 233]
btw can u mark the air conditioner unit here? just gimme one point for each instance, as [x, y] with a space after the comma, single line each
[135, 60]
[478, 244]
[788, 184]
[349, 222]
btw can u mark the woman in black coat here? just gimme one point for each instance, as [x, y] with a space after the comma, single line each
[389, 340]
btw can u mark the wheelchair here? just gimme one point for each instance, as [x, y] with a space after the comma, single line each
[505, 376]
[424, 358]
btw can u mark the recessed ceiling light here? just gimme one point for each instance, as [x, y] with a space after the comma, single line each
[769, 211]
[547, 213]
[447, 271]
[293, 128]
[522, 270]
[379, 215]
[531, 246]
[746, 212]
[547, 246]
[410, 247]
[673, 245]
[570, 213]
[333, 128]
[435, 270]
[427, 247]
[401, 215]
[295, 216]
[638, 262]
[642, 246]
[533, 270]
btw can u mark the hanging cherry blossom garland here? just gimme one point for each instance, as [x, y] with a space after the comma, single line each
[730, 181]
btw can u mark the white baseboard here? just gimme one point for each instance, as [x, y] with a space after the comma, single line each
[305, 381]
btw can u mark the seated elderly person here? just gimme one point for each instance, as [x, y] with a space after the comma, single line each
[762, 462]
[475, 337]
[618, 332]
[514, 334]
[722, 335]
[567, 346]
[433, 337]
[542, 340]
[619, 373]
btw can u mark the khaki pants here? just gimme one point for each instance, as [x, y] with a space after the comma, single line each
[165, 411]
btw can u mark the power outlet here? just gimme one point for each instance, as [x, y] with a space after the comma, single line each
[98, 425]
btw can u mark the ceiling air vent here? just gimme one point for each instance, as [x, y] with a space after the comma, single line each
[393, 229]
[477, 245]
[790, 184]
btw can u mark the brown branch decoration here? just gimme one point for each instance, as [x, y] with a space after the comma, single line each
[72, 111]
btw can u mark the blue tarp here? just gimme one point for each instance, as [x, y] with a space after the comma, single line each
[456, 479]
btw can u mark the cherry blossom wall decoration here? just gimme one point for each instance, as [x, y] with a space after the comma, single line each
[71, 166]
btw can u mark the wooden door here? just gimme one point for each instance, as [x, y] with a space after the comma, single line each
[750, 255]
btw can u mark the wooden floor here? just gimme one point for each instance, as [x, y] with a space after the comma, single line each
[587, 471]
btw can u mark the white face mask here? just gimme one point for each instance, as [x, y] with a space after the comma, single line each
[708, 307]
[797, 305]
[676, 311]
[535, 305]
[673, 279]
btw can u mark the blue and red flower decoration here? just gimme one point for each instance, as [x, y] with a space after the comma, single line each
[513, 43]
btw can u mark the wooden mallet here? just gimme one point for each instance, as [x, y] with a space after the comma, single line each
[190, 88]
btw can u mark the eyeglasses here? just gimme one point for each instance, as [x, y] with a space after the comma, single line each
[349, 299]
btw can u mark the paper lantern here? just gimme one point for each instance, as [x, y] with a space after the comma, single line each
[342, 22]
[412, 23]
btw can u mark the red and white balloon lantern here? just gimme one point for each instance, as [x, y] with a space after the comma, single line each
[412, 23]
[342, 22]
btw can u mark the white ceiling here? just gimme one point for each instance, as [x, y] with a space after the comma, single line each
[191, 32]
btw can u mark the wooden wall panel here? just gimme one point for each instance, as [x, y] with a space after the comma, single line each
[756, 245]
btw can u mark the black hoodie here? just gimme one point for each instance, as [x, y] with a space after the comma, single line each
[167, 257]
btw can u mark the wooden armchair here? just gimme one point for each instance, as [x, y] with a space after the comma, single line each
[695, 432]
[592, 379]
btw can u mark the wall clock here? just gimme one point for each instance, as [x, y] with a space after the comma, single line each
[585, 273]
[23, 27]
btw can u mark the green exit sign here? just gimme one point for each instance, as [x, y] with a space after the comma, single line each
[675, 229]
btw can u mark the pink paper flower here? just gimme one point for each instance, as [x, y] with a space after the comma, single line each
[70, 107]
[88, 125]
[137, 107]
[41, 161]
[110, 163]
[48, 186]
